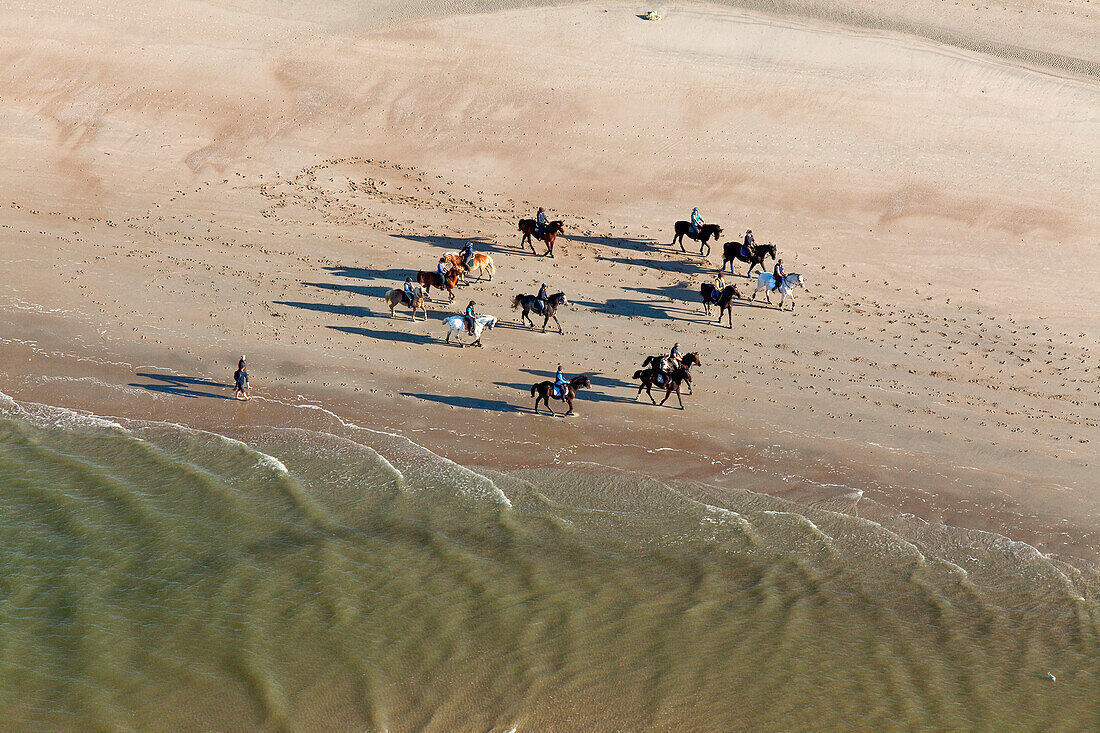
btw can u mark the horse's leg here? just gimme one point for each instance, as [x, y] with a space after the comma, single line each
[557, 322]
[569, 401]
[678, 397]
[449, 332]
[545, 320]
[649, 391]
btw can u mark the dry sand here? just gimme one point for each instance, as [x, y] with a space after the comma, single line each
[184, 182]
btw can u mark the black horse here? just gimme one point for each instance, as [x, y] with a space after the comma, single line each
[724, 302]
[703, 236]
[672, 383]
[548, 236]
[686, 361]
[731, 252]
[544, 390]
[530, 303]
[706, 290]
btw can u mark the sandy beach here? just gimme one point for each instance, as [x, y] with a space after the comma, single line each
[185, 183]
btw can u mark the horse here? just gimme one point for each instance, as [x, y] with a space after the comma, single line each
[480, 262]
[764, 282]
[703, 236]
[672, 383]
[531, 303]
[545, 390]
[529, 226]
[456, 326]
[397, 297]
[430, 279]
[707, 291]
[686, 362]
[731, 252]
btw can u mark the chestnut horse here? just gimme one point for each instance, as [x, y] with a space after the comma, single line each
[482, 263]
[707, 231]
[528, 227]
[430, 279]
[544, 391]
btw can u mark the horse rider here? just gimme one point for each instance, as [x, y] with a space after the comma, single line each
[560, 384]
[470, 316]
[410, 290]
[719, 286]
[468, 254]
[441, 271]
[696, 224]
[543, 298]
[778, 275]
[749, 245]
[670, 362]
[540, 222]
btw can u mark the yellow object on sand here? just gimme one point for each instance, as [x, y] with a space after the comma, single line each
[651, 15]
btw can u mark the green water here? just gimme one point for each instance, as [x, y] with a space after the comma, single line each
[334, 578]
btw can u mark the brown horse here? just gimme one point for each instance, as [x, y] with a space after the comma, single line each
[672, 383]
[397, 297]
[724, 303]
[528, 227]
[482, 263]
[680, 228]
[545, 389]
[430, 280]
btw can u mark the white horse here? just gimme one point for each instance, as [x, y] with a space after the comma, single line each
[764, 282]
[456, 326]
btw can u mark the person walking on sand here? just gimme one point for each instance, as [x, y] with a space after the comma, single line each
[240, 382]
[441, 272]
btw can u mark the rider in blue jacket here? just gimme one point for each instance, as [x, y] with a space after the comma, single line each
[540, 222]
[560, 384]
[696, 221]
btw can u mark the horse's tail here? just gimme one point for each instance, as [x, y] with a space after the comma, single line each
[638, 374]
[533, 388]
[489, 265]
[516, 301]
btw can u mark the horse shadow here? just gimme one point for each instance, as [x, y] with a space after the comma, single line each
[340, 310]
[676, 267]
[397, 336]
[635, 245]
[392, 274]
[375, 291]
[597, 379]
[473, 403]
[173, 384]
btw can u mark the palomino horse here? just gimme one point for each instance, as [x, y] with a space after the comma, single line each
[397, 297]
[528, 227]
[703, 236]
[545, 390]
[786, 288]
[724, 302]
[482, 263]
[686, 361]
[531, 303]
[431, 280]
[456, 326]
[732, 252]
[649, 380]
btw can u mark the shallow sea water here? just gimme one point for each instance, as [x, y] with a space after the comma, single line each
[329, 577]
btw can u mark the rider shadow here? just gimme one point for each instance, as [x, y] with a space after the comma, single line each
[398, 336]
[473, 403]
[180, 386]
[340, 310]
